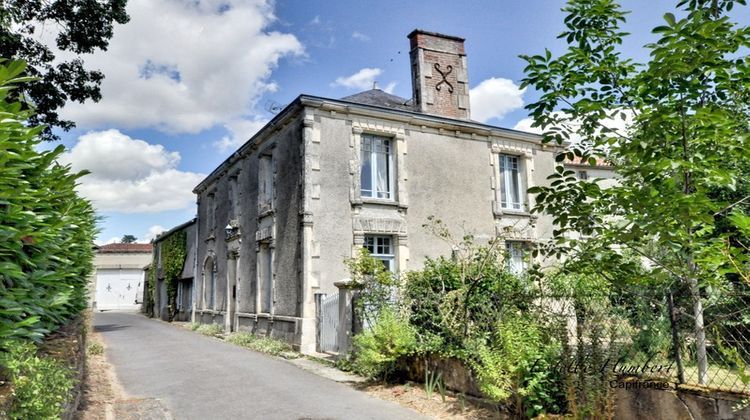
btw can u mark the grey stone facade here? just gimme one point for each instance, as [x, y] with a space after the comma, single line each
[442, 164]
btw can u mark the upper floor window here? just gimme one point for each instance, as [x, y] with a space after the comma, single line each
[583, 175]
[233, 196]
[510, 182]
[376, 171]
[381, 248]
[265, 182]
[211, 210]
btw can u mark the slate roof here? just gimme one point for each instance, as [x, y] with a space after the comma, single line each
[377, 97]
[124, 248]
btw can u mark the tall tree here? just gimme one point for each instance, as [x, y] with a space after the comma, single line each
[688, 136]
[128, 239]
[83, 26]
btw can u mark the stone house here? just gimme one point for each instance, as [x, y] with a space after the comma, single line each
[325, 177]
[118, 278]
[184, 293]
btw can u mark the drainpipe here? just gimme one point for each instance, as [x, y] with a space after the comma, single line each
[194, 289]
[307, 311]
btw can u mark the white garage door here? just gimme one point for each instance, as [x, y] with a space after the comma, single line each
[119, 288]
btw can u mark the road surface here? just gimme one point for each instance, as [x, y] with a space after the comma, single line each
[198, 377]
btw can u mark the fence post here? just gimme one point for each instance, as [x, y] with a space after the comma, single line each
[675, 338]
[346, 315]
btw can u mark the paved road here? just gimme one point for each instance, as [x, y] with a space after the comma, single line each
[202, 378]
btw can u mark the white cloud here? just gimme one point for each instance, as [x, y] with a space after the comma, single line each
[130, 175]
[152, 233]
[495, 97]
[185, 66]
[359, 36]
[525, 125]
[239, 131]
[390, 87]
[113, 240]
[614, 122]
[361, 80]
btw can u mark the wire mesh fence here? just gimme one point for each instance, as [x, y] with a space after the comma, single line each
[666, 334]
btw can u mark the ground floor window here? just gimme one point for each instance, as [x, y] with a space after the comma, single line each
[180, 295]
[265, 278]
[515, 256]
[381, 248]
[184, 295]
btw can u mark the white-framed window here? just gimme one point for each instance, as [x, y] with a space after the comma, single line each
[515, 256]
[376, 167]
[510, 182]
[265, 182]
[583, 175]
[381, 248]
[265, 278]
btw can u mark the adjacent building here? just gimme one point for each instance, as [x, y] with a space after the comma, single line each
[160, 304]
[118, 278]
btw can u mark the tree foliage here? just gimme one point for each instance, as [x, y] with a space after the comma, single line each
[128, 239]
[81, 27]
[46, 229]
[688, 135]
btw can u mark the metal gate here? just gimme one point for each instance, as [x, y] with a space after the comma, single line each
[328, 324]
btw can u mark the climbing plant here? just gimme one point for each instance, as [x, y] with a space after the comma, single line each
[151, 285]
[173, 250]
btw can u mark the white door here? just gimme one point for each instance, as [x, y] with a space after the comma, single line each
[118, 288]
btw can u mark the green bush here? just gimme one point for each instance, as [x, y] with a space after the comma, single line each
[265, 345]
[41, 385]
[46, 228]
[211, 330]
[194, 326]
[515, 367]
[452, 301]
[378, 349]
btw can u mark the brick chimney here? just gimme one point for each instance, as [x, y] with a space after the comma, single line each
[440, 81]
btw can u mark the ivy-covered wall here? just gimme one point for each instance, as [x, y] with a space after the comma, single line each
[169, 259]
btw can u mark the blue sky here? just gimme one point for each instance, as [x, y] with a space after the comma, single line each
[188, 81]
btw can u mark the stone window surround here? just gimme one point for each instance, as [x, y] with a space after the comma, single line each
[378, 226]
[234, 192]
[398, 151]
[211, 211]
[527, 162]
[266, 208]
[204, 280]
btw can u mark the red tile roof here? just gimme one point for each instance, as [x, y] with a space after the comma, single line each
[111, 248]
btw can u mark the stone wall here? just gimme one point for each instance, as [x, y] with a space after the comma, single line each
[679, 403]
